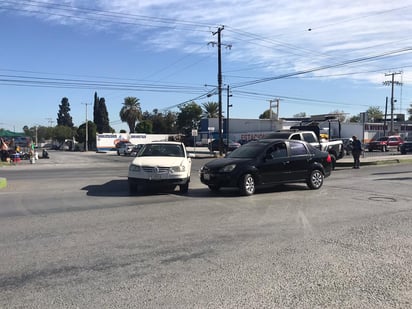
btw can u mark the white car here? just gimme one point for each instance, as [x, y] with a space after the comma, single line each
[166, 164]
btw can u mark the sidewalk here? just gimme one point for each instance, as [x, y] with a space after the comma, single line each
[370, 159]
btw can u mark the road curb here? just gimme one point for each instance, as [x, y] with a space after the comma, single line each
[3, 183]
[377, 162]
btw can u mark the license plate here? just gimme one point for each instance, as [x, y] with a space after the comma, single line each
[155, 177]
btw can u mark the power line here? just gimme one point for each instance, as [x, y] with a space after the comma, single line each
[52, 9]
[362, 59]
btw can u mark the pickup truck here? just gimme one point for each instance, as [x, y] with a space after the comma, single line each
[333, 147]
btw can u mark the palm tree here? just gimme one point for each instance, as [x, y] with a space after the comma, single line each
[211, 110]
[131, 112]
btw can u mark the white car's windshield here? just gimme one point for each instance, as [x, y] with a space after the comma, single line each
[161, 150]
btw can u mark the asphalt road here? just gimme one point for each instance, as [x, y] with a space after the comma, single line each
[72, 237]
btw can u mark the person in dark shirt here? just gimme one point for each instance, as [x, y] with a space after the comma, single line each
[356, 151]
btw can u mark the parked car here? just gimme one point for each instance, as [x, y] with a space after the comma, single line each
[214, 145]
[385, 143]
[407, 145]
[160, 164]
[125, 149]
[136, 149]
[267, 163]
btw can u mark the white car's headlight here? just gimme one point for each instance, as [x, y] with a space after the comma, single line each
[228, 168]
[177, 169]
[134, 168]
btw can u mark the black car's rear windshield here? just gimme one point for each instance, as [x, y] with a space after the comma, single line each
[249, 150]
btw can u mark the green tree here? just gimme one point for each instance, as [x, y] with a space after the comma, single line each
[340, 115]
[91, 134]
[171, 119]
[144, 126]
[211, 110]
[63, 116]
[188, 118]
[61, 133]
[160, 123]
[100, 115]
[355, 118]
[266, 115]
[131, 112]
[43, 133]
[300, 115]
[374, 114]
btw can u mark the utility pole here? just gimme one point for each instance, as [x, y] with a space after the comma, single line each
[219, 82]
[271, 111]
[392, 82]
[386, 115]
[87, 129]
[227, 119]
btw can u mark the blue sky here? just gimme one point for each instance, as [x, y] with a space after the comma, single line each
[316, 56]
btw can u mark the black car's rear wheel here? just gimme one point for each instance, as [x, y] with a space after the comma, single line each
[315, 180]
[247, 185]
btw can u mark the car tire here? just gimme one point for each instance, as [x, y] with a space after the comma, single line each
[214, 188]
[183, 189]
[315, 180]
[133, 188]
[247, 185]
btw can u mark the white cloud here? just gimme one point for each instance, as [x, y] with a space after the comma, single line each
[260, 31]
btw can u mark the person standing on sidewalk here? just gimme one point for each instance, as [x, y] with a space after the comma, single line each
[356, 151]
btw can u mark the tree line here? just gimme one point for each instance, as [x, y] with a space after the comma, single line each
[154, 122]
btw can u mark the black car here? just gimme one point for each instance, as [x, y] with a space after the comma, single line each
[267, 163]
[406, 146]
[214, 145]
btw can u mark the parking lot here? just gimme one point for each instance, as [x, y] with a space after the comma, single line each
[71, 236]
